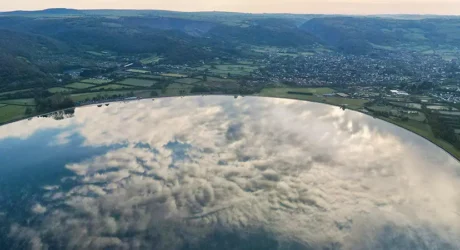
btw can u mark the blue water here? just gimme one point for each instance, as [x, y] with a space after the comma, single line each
[247, 173]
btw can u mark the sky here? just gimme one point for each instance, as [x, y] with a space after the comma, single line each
[444, 7]
[240, 165]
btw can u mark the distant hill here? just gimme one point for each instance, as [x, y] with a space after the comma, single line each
[54, 11]
[20, 57]
[191, 27]
[346, 33]
[40, 43]
[261, 33]
[29, 45]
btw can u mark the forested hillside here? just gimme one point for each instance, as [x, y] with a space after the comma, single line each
[34, 45]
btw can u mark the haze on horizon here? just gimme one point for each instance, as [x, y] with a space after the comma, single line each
[362, 7]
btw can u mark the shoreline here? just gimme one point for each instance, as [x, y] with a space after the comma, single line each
[256, 95]
[379, 118]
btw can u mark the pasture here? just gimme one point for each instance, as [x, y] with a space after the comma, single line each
[407, 105]
[150, 60]
[96, 81]
[79, 85]
[138, 82]
[338, 101]
[220, 80]
[152, 77]
[15, 91]
[188, 80]
[11, 112]
[284, 91]
[83, 96]
[59, 90]
[19, 102]
[177, 89]
[111, 87]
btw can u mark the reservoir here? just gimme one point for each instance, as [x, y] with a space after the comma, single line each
[215, 172]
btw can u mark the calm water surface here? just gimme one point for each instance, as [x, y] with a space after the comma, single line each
[223, 173]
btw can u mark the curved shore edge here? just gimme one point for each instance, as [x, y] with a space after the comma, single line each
[256, 95]
[380, 118]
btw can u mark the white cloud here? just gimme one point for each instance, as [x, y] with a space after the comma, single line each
[305, 172]
[38, 209]
[25, 128]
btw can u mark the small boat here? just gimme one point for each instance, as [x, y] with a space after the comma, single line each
[107, 104]
[100, 105]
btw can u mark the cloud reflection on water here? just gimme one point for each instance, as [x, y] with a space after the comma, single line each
[305, 173]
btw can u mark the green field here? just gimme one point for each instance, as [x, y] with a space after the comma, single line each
[138, 71]
[108, 94]
[407, 105]
[58, 90]
[11, 112]
[96, 81]
[152, 59]
[283, 91]
[83, 96]
[220, 80]
[15, 91]
[138, 82]
[152, 77]
[79, 85]
[424, 130]
[23, 102]
[381, 108]
[417, 127]
[188, 80]
[419, 117]
[177, 89]
[348, 102]
[111, 86]
[337, 101]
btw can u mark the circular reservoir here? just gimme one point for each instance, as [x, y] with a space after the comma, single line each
[223, 173]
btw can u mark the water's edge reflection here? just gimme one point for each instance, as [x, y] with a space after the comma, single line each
[200, 172]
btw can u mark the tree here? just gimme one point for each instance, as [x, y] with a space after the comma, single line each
[28, 111]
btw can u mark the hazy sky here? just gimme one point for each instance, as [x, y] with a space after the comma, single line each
[451, 7]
